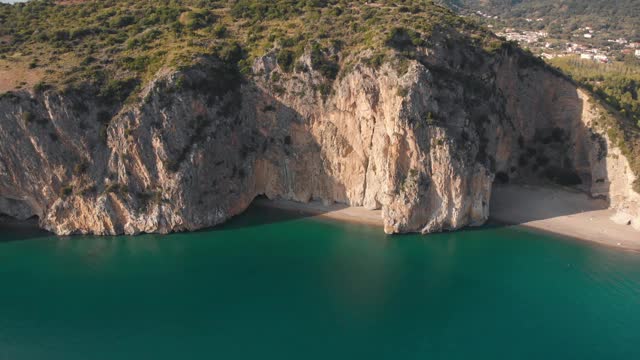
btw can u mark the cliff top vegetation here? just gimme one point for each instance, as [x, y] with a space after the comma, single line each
[616, 86]
[119, 43]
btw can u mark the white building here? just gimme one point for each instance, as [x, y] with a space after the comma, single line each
[638, 53]
[601, 58]
[586, 56]
[587, 36]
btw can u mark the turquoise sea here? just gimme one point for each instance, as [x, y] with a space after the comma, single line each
[274, 285]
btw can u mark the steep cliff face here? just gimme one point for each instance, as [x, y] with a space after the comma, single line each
[423, 141]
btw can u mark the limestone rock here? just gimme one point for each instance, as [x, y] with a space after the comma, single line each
[423, 142]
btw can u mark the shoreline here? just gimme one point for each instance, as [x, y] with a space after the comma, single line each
[352, 214]
[567, 236]
[557, 211]
[554, 210]
[563, 212]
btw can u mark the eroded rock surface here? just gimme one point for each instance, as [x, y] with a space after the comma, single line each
[423, 142]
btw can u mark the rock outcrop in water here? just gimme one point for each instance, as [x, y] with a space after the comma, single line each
[422, 140]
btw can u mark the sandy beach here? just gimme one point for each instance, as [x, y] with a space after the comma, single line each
[563, 212]
[333, 211]
[557, 210]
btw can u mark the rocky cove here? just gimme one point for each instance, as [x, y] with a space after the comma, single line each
[423, 140]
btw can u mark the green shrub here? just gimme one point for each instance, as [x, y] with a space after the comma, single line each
[117, 90]
[197, 19]
[231, 53]
[320, 62]
[402, 38]
[429, 118]
[79, 33]
[60, 35]
[88, 60]
[138, 64]
[285, 60]
[122, 21]
[143, 40]
[41, 87]
[493, 46]
[220, 31]
[375, 61]
[325, 89]
[66, 191]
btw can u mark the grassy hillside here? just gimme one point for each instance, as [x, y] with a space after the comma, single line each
[616, 86]
[119, 44]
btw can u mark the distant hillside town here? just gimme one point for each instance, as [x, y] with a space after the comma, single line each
[585, 42]
[595, 42]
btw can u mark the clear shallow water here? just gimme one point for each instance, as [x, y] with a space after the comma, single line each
[268, 286]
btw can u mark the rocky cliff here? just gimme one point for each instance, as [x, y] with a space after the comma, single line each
[421, 139]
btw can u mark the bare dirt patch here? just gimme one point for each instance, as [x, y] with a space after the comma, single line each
[15, 75]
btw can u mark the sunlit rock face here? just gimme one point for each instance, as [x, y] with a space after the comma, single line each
[422, 140]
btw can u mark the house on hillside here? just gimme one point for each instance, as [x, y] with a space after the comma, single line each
[601, 58]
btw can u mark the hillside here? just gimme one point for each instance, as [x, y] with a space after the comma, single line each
[556, 30]
[614, 19]
[131, 116]
[126, 42]
[618, 84]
